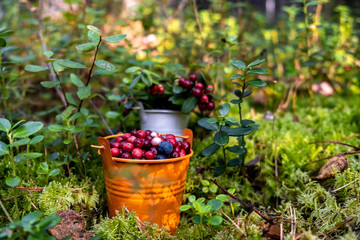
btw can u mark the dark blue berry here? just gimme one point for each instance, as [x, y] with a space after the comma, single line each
[160, 156]
[165, 147]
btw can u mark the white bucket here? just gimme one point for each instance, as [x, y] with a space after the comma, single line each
[163, 121]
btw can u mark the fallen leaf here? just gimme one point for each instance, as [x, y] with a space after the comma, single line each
[335, 164]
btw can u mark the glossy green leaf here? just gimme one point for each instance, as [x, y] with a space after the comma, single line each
[236, 101]
[105, 65]
[192, 198]
[238, 131]
[177, 89]
[67, 141]
[239, 64]
[237, 76]
[184, 208]
[26, 156]
[27, 129]
[236, 149]
[213, 188]
[3, 148]
[247, 93]
[48, 222]
[49, 53]
[246, 122]
[5, 125]
[135, 81]
[93, 37]
[189, 105]
[132, 69]
[56, 128]
[35, 68]
[44, 166]
[36, 139]
[215, 204]
[50, 84]
[115, 38]
[2, 42]
[224, 109]
[94, 29]
[76, 80]
[70, 99]
[210, 150]
[215, 220]
[54, 172]
[102, 72]
[86, 47]
[256, 62]
[32, 217]
[6, 33]
[231, 119]
[234, 162]
[222, 197]
[12, 181]
[21, 142]
[70, 64]
[84, 92]
[212, 120]
[221, 138]
[8, 48]
[256, 83]
[209, 126]
[258, 71]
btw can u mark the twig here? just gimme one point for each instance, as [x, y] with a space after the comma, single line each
[140, 224]
[236, 225]
[39, 189]
[31, 202]
[180, 8]
[77, 189]
[198, 21]
[101, 117]
[337, 214]
[247, 205]
[299, 236]
[336, 142]
[343, 153]
[11, 198]
[5, 211]
[338, 226]
[335, 190]
[351, 136]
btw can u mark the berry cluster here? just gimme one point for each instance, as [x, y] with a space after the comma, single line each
[156, 89]
[199, 91]
[148, 145]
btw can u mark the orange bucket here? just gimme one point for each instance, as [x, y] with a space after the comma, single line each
[152, 188]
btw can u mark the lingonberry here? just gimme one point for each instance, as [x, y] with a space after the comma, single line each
[172, 141]
[131, 139]
[126, 155]
[199, 85]
[138, 143]
[140, 134]
[154, 150]
[202, 106]
[150, 155]
[175, 154]
[119, 139]
[210, 106]
[186, 147]
[128, 147]
[182, 81]
[133, 132]
[147, 144]
[161, 89]
[126, 136]
[137, 153]
[148, 132]
[204, 98]
[193, 77]
[197, 92]
[115, 152]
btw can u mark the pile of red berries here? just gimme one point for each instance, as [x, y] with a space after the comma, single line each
[148, 145]
[199, 91]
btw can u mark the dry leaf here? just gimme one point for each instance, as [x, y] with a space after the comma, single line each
[335, 164]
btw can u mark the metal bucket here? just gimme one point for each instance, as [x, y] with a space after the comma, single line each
[163, 121]
[152, 188]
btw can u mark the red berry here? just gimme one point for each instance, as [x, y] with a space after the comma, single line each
[150, 155]
[197, 92]
[131, 139]
[347, 68]
[115, 152]
[193, 77]
[156, 141]
[177, 149]
[204, 98]
[199, 86]
[202, 106]
[126, 155]
[137, 153]
[127, 111]
[187, 84]
[182, 153]
[116, 145]
[149, 138]
[147, 144]
[186, 147]
[154, 89]
[172, 141]
[154, 134]
[119, 139]
[210, 106]
[133, 132]
[111, 144]
[121, 145]
[154, 150]
[182, 81]
[138, 143]
[161, 89]
[126, 136]
[170, 136]
[140, 134]
[128, 147]
[211, 88]
[175, 154]
[148, 132]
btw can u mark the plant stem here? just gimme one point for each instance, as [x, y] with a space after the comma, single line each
[28, 163]
[14, 174]
[5, 211]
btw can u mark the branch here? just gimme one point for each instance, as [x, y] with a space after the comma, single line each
[338, 226]
[247, 205]
[101, 117]
[336, 142]
[343, 153]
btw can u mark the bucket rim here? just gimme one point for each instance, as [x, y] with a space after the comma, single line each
[168, 160]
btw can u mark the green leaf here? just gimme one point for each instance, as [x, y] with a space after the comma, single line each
[239, 64]
[74, 116]
[215, 204]
[234, 162]
[247, 93]
[213, 188]
[76, 80]
[9, 48]
[238, 93]
[256, 83]
[132, 69]
[215, 220]
[6, 33]
[84, 92]
[256, 62]
[70, 64]
[246, 122]
[36, 139]
[236, 149]
[35, 68]
[2, 42]
[135, 81]
[224, 109]
[56, 128]
[177, 99]
[221, 138]
[112, 114]
[5, 125]
[231, 119]
[67, 141]
[32, 217]
[69, 97]
[177, 89]
[197, 219]
[48, 53]
[189, 105]
[27, 129]
[115, 38]
[12, 181]
[21, 142]
[105, 65]
[314, 3]
[192, 198]
[197, 206]
[93, 37]
[212, 120]
[86, 47]
[236, 101]
[236, 76]
[205, 182]
[209, 126]
[48, 222]
[3, 148]
[258, 71]
[210, 150]
[49, 84]
[66, 113]
[44, 166]
[54, 172]
[222, 197]
[102, 72]
[238, 131]
[26, 156]
[94, 29]
[183, 208]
